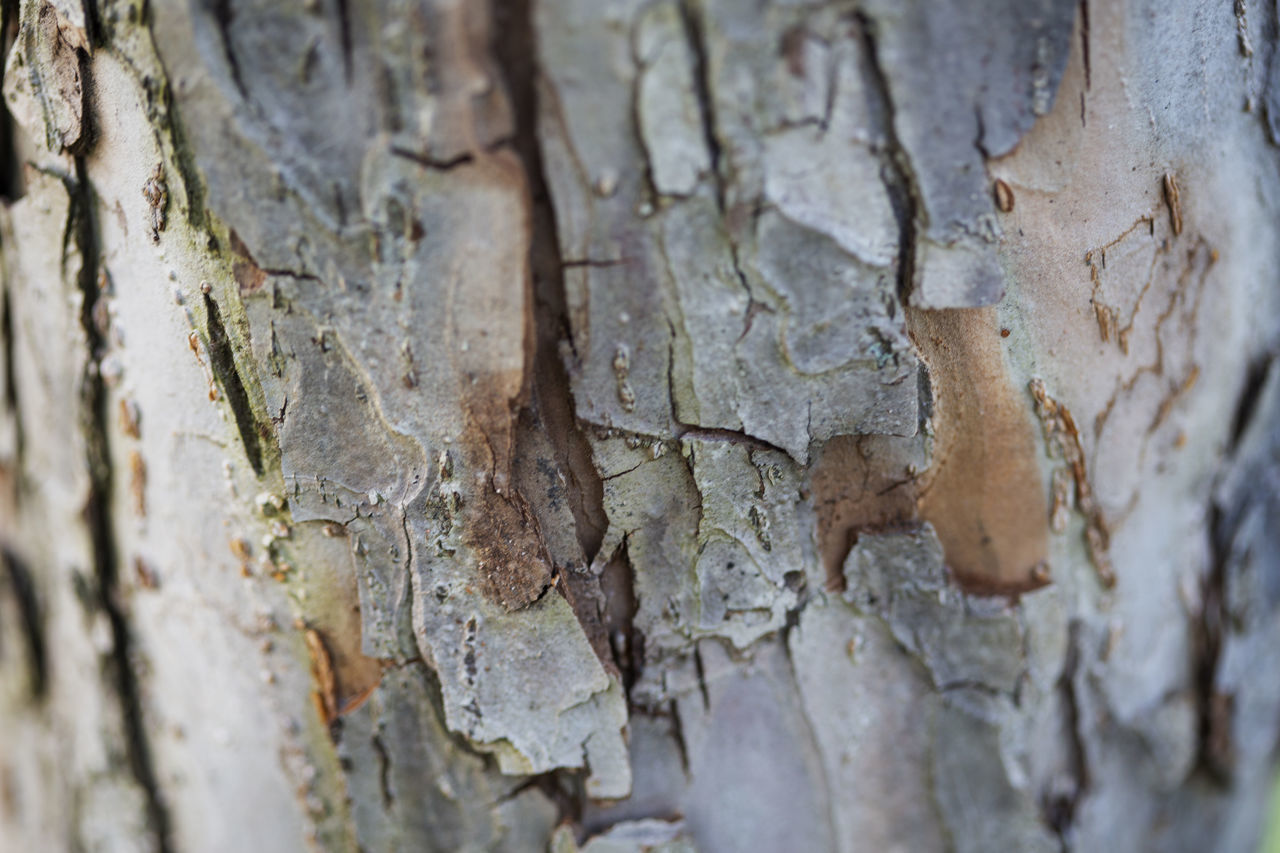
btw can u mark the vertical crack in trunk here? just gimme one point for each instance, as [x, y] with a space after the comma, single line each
[1084, 45]
[24, 593]
[617, 582]
[184, 161]
[895, 163]
[1247, 403]
[1213, 707]
[384, 772]
[694, 34]
[11, 386]
[514, 52]
[1059, 803]
[223, 361]
[10, 190]
[10, 167]
[677, 734]
[344, 25]
[95, 424]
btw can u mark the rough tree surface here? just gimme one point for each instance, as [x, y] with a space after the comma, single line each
[620, 425]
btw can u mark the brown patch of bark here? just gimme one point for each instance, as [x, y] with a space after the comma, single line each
[248, 275]
[503, 534]
[984, 492]
[860, 483]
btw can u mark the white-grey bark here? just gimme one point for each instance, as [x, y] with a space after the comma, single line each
[639, 425]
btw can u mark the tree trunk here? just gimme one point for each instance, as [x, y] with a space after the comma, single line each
[639, 425]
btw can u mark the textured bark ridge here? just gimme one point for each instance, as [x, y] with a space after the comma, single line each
[648, 425]
[393, 333]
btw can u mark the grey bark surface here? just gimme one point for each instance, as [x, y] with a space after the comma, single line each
[673, 425]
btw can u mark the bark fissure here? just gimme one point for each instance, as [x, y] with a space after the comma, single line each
[895, 163]
[23, 589]
[222, 359]
[11, 382]
[343, 9]
[184, 160]
[10, 166]
[1059, 803]
[702, 678]
[1084, 47]
[693, 431]
[1212, 706]
[1250, 396]
[433, 162]
[618, 582]
[223, 15]
[384, 772]
[96, 425]
[514, 53]
[677, 734]
[702, 91]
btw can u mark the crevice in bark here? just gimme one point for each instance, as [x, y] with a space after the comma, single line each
[223, 15]
[223, 361]
[730, 435]
[1213, 707]
[1084, 46]
[649, 194]
[677, 734]
[686, 430]
[384, 772]
[702, 678]
[11, 383]
[24, 593]
[1059, 802]
[696, 37]
[344, 34]
[514, 52]
[1250, 395]
[10, 168]
[184, 159]
[617, 582]
[895, 163]
[433, 162]
[96, 425]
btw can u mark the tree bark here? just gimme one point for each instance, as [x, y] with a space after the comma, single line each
[648, 425]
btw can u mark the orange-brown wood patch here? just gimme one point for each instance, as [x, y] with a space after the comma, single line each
[984, 492]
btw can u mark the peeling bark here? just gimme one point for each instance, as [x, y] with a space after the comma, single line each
[660, 425]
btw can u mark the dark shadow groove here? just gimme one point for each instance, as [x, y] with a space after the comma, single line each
[222, 359]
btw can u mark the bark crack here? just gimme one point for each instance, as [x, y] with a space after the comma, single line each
[617, 582]
[1084, 47]
[1214, 707]
[384, 772]
[24, 593]
[223, 362]
[11, 383]
[895, 164]
[552, 407]
[686, 430]
[1059, 802]
[95, 424]
[552, 393]
[702, 91]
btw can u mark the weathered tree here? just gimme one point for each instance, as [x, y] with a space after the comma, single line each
[639, 424]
